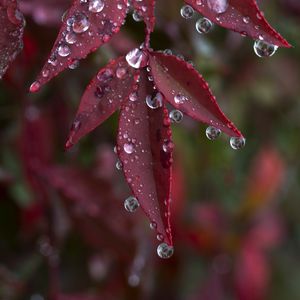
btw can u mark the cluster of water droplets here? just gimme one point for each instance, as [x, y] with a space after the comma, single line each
[204, 25]
[236, 143]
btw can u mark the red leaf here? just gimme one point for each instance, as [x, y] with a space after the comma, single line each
[185, 89]
[147, 167]
[11, 33]
[145, 9]
[240, 16]
[105, 94]
[82, 32]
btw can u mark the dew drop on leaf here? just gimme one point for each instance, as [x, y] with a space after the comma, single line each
[237, 143]
[96, 6]
[136, 16]
[203, 25]
[128, 148]
[131, 204]
[264, 49]
[218, 6]
[80, 23]
[187, 11]
[137, 58]
[212, 133]
[165, 251]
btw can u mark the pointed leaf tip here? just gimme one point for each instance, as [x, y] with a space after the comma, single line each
[145, 150]
[86, 26]
[186, 90]
[244, 17]
[107, 91]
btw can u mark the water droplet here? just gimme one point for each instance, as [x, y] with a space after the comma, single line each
[119, 165]
[35, 86]
[203, 25]
[237, 143]
[128, 148]
[153, 225]
[63, 50]
[176, 116]
[165, 251]
[80, 23]
[218, 6]
[137, 58]
[131, 204]
[154, 102]
[133, 97]
[212, 133]
[96, 6]
[168, 146]
[187, 11]
[70, 37]
[179, 98]
[264, 49]
[137, 16]
[246, 20]
[121, 72]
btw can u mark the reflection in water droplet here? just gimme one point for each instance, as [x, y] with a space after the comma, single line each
[212, 133]
[237, 143]
[165, 251]
[131, 204]
[176, 116]
[137, 58]
[264, 49]
[187, 11]
[203, 25]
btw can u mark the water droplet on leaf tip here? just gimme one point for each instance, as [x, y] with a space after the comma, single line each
[131, 204]
[165, 251]
[237, 143]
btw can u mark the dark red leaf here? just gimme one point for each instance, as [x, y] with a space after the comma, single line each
[92, 202]
[145, 9]
[82, 32]
[185, 89]
[11, 33]
[145, 149]
[240, 16]
[105, 94]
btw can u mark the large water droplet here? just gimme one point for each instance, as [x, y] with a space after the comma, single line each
[218, 6]
[187, 11]
[80, 23]
[165, 251]
[63, 50]
[131, 204]
[128, 148]
[137, 58]
[212, 133]
[237, 143]
[264, 49]
[203, 25]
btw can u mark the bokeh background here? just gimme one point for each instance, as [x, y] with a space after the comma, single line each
[64, 233]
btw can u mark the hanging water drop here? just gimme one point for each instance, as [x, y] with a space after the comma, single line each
[176, 116]
[212, 133]
[131, 204]
[264, 49]
[154, 102]
[165, 251]
[137, 58]
[203, 25]
[119, 165]
[187, 11]
[237, 143]
[136, 16]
